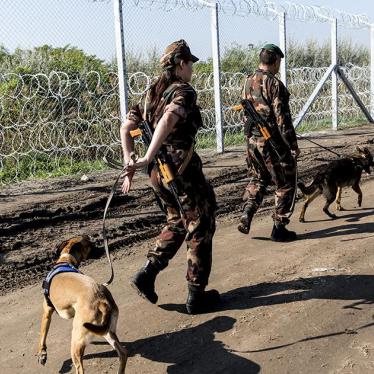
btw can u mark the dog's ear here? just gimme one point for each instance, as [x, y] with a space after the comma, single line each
[76, 250]
[60, 247]
[81, 249]
[366, 151]
[86, 240]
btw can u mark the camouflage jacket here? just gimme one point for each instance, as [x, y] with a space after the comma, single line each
[180, 99]
[271, 99]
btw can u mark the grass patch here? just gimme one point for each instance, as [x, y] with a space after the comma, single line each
[344, 123]
[41, 166]
[208, 140]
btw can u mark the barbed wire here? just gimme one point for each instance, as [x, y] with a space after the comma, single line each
[263, 8]
[51, 122]
[313, 13]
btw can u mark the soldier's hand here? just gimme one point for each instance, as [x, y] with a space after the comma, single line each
[296, 152]
[126, 185]
[140, 163]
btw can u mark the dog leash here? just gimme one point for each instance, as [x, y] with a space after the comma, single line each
[116, 165]
[288, 215]
[111, 162]
[296, 180]
[317, 144]
[323, 159]
[105, 238]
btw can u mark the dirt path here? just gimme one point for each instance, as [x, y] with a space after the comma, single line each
[34, 213]
[303, 307]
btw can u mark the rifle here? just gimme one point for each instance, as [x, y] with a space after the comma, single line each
[268, 135]
[161, 160]
[263, 127]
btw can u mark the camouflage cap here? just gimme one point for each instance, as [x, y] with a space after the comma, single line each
[273, 48]
[175, 53]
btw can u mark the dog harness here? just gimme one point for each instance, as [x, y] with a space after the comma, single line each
[63, 267]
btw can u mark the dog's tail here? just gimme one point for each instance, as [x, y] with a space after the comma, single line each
[102, 329]
[307, 190]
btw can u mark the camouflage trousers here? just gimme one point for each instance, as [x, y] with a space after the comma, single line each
[265, 168]
[196, 228]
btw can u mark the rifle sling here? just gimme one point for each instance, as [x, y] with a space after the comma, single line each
[186, 161]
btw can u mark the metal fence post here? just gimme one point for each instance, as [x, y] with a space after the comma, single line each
[121, 60]
[283, 45]
[217, 77]
[334, 76]
[372, 70]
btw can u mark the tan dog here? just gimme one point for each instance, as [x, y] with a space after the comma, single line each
[74, 295]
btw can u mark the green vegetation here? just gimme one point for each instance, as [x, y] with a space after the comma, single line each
[44, 59]
[312, 54]
[84, 105]
[238, 58]
[41, 167]
[208, 140]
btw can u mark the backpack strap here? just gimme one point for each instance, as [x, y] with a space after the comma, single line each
[169, 92]
[165, 100]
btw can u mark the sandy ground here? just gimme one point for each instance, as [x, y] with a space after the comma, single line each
[302, 307]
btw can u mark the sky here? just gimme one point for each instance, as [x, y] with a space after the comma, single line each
[89, 25]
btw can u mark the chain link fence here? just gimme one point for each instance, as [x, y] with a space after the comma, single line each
[58, 118]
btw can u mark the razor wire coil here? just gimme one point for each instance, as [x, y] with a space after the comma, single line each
[59, 120]
[263, 8]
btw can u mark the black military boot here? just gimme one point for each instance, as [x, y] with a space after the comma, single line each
[200, 301]
[144, 282]
[281, 234]
[245, 221]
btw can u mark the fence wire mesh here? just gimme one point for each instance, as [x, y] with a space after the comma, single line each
[58, 118]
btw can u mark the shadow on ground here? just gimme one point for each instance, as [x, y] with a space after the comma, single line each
[311, 338]
[356, 288]
[193, 350]
[340, 230]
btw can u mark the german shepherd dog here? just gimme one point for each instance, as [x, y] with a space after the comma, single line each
[339, 173]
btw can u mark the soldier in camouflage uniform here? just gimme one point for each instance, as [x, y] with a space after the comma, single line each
[271, 100]
[170, 108]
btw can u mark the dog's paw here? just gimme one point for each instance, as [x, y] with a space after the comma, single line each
[42, 357]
